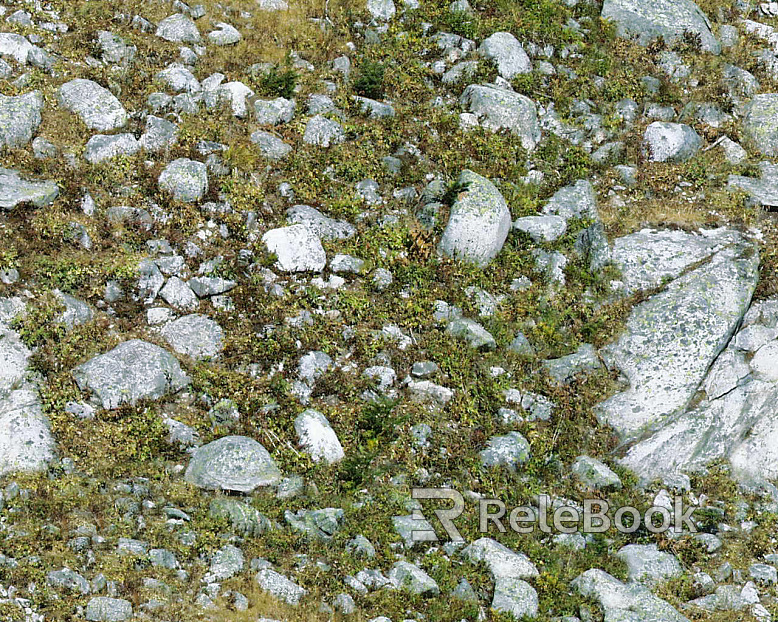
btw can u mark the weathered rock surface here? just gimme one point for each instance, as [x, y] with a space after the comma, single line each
[235, 463]
[97, 106]
[498, 108]
[19, 118]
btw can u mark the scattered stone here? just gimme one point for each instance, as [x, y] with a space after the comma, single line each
[97, 106]
[317, 437]
[473, 333]
[105, 609]
[542, 228]
[297, 248]
[271, 147]
[178, 28]
[278, 586]
[507, 451]
[648, 565]
[323, 132]
[186, 180]
[102, 147]
[410, 578]
[19, 119]
[497, 108]
[504, 49]
[16, 191]
[195, 335]
[595, 474]
[326, 228]
[244, 518]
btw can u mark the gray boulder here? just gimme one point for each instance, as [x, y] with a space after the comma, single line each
[235, 463]
[671, 142]
[278, 586]
[102, 147]
[178, 28]
[274, 111]
[271, 147]
[595, 474]
[648, 565]
[374, 109]
[186, 180]
[381, 10]
[317, 437]
[501, 561]
[574, 201]
[498, 108]
[97, 106]
[542, 228]
[114, 49]
[317, 524]
[297, 248]
[410, 578]
[225, 34]
[225, 563]
[479, 222]
[133, 370]
[672, 338]
[516, 597]
[160, 134]
[507, 451]
[179, 295]
[473, 333]
[16, 46]
[760, 123]
[105, 609]
[68, 579]
[624, 601]
[650, 19]
[325, 227]
[505, 50]
[195, 335]
[26, 442]
[19, 118]
[16, 191]
[323, 132]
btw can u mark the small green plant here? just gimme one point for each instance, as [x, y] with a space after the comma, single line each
[278, 81]
[370, 81]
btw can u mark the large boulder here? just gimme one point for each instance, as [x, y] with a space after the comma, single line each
[672, 338]
[671, 142]
[760, 123]
[498, 108]
[178, 28]
[236, 463]
[97, 106]
[624, 601]
[479, 222]
[650, 19]
[133, 370]
[19, 118]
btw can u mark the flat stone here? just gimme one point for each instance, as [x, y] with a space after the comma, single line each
[186, 180]
[20, 117]
[235, 463]
[542, 228]
[671, 142]
[595, 474]
[26, 442]
[501, 561]
[323, 132]
[505, 50]
[16, 191]
[102, 147]
[507, 451]
[178, 28]
[410, 578]
[317, 437]
[325, 227]
[470, 331]
[498, 108]
[195, 335]
[760, 123]
[104, 609]
[271, 147]
[278, 586]
[648, 565]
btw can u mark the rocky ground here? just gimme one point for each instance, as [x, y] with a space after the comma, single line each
[267, 266]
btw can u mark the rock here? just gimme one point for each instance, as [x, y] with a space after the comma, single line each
[114, 49]
[507, 451]
[224, 35]
[575, 201]
[323, 132]
[381, 10]
[160, 134]
[763, 574]
[760, 123]
[374, 109]
[515, 597]
[592, 245]
[410, 578]
[624, 601]
[69, 580]
[195, 335]
[521, 345]
[648, 565]
[542, 228]
[97, 106]
[244, 517]
[317, 437]
[16, 191]
[323, 226]
[15, 46]
[297, 248]
[186, 180]
[412, 529]
[162, 558]
[564, 369]
[595, 474]
[235, 463]
[671, 142]
[178, 78]
[763, 190]
[473, 333]
[669, 19]
[179, 295]
[360, 546]
[225, 563]
[178, 28]
[205, 286]
[19, 119]
[271, 147]
[274, 111]
[501, 561]
[497, 108]
[278, 586]
[101, 147]
[479, 222]
[104, 609]
[133, 370]
[236, 94]
[672, 338]
[76, 311]
[150, 279]
[26, 442]
[318, 524]
[504, 49]
[272, 5]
